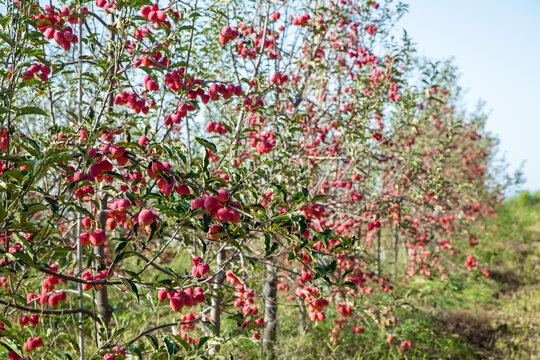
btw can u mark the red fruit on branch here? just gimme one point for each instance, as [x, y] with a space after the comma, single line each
[146, 217]
[197, 204]
[223, 195]
[98, 237]
[86, 223]
[196, 261]
[162, 295]
[54, 299]
[182, 189]
[34, 319]
[214, 232]
[210, 203]
[12, 355]
[84, 238]
[111, 223]
[23, 320]
[143, 141]
[177, 303]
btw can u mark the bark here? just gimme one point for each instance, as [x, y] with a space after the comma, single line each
[79, 227]
[270, 311]
[216, 299]
[405, 255]
[379, 252]
[103, 306]
[80, 291]
[395, 240]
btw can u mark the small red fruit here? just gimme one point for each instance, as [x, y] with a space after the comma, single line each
[197, 204]
[177, 303]
[84, 239]
[23, 320]
[146, 217]
[98, 237]
[34, 319]
[53, 300]
[162, 295]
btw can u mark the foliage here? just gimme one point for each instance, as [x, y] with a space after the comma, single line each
[205, 155]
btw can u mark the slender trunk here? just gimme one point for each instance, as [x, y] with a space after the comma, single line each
[216, 299]
[270, 311]
[80, 290]
[405, 255]
[395, 239]
[379, 252]
[79, 225]
[104, 308]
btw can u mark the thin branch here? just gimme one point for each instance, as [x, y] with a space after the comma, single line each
[50, 312]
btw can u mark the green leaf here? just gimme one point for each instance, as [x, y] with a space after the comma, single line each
[183, 342]
[207, 144]
[320, 271]
[266, 243]
[16, 297]
[330, 268]
[2, 213]
[31, 146]
[272, 249]
[82, 211]
[22, 257]
[210, 325]
[319, 197]
[206, 160]
[34, 208]
[171, 349]
[202, 341]
[62, 355]
[121, 245]
[131, 287]
[54, 204]
[25, 244]
[15, 174]
[153, 341]
[113, 175]
[29, 110]
[135, 350]
[8, 271]
[6, 39]
[5, 321]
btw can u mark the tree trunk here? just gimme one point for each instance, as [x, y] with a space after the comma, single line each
[378, 252]
[80, 289]
[270, 311]
[79, 225]
[405, 255]
[216, 299]
[103, 306]
[395, 239]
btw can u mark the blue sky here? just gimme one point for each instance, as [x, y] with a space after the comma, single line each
[496, 46]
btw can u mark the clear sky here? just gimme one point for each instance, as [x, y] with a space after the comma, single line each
[496, 46]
